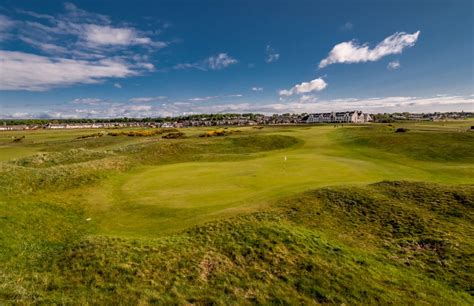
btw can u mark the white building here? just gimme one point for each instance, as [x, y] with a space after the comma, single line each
[339, 117]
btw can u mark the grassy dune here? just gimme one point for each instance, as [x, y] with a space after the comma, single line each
[358, 214]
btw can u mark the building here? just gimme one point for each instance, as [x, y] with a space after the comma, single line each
[339, 117]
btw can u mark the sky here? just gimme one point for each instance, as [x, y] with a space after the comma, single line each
[105, 59]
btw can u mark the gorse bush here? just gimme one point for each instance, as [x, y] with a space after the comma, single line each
[222, 132]
[145, 133]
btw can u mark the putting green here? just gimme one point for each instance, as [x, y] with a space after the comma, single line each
[157, 200]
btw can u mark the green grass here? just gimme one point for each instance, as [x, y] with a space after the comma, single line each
[355, 215]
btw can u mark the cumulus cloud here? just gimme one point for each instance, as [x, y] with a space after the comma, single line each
[351, 52]
[393, 65]
[257, 88]
[117, 85]
[216, 62]
[305, 87]
[271, 54]
[24, 71]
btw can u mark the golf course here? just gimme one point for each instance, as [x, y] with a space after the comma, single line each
[308, 214]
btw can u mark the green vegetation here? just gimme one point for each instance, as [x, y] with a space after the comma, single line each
[282, 215]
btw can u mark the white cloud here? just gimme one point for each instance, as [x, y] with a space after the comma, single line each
[140, 107]
[351, 52]
[257, 88]
[301, 104]
[84, 31]
[73, 13]
[81, 47]
[87, 101]
[24, 71]
[308, 104]
[217, 62]
[307, 98]
[182, 66]
[393, 65]
[43, 46]
[147, 99]
[199, 99]
[271, 54]
[305, 87]
[36, 15]
[220, 61]
[117, 85]
[76, 37]
[107, 35]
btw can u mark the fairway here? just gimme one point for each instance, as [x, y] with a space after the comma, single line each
[149, 193]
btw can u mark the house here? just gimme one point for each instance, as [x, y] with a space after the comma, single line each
[339, 117]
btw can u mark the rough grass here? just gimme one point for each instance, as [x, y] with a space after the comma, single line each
[297, 252]
[42, 160]
[420, 143]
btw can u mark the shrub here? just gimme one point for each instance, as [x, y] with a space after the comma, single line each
[401, 130]
[18, 139]
[145, 133]
[216, 133]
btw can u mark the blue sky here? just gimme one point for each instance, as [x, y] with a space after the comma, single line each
[165, 58]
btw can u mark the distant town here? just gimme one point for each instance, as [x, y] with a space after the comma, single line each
[247, 119]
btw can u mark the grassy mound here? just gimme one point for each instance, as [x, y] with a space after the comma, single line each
[378, 244]
[419, 144]
[42, 160]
